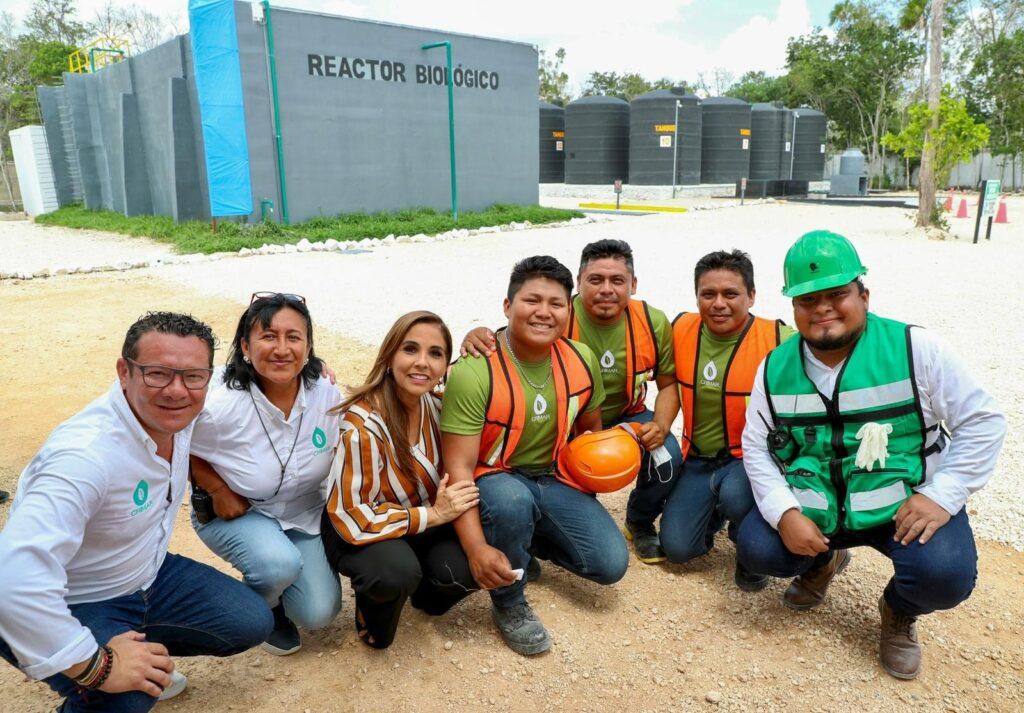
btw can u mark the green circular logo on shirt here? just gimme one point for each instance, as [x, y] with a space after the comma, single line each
[141, 493]
[319, 437]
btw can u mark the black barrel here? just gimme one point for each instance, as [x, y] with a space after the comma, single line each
[597, 141]
[809, 144]
[552, 143]
[653, 134]
[768, 141]
[725, 140]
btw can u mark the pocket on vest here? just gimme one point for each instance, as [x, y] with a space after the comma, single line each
[872, 498]
[814, 491]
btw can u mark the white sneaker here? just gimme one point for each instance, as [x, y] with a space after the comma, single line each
[178, 684]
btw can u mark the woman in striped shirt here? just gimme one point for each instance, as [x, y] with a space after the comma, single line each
[385, 525]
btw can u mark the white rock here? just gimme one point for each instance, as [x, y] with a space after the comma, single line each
[246, 251]
[713, 697]
[290, 248]
[44, 272]
[317, 247]
[331, 244]
[303, 246]
[390, 240]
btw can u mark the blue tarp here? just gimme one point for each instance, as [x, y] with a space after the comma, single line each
[221, 106]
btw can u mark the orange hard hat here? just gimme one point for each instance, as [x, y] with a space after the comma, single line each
[601, 461]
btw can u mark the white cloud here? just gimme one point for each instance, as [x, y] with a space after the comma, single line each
[760, 44]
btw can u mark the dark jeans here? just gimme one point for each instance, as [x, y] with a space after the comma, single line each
[522, 515]
[430, 567]
[707, 493]
[936, 575]
[192, 609]
[654, 482]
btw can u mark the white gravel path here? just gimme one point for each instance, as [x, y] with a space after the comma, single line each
[968, 294]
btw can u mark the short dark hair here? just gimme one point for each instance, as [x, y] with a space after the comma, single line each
[860, 285]
[735, 260]
[616, 249]
[180, 325]
[539, 266]
[240, 374]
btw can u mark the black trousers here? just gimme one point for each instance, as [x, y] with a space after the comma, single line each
[430, 567]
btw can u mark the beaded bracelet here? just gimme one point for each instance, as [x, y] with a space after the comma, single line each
[99, 676]
[91, 668]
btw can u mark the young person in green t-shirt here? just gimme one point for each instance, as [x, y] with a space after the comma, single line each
[504, 420]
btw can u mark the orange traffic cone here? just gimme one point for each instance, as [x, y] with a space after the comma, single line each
[1001, 213]
[948, 205]
[961, 212]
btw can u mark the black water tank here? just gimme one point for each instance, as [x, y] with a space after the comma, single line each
[597, 141]
[725, 140]
[768, 141]
[653, 133]
[552, 143]
[809, 145]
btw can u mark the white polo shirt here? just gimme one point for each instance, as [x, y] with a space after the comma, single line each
[91, 521]
[229, 436]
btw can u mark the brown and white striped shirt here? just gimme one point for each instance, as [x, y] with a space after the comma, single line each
[371, 499]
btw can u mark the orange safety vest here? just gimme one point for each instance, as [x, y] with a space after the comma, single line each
[507, 408]
[758, 338]
[641, 352]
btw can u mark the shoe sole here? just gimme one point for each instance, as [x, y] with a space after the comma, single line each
[528, 650]
[752, 586]
[808, 607]
[271, 649]
[646, 560]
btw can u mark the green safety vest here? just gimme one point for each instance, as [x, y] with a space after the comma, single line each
[815, 442]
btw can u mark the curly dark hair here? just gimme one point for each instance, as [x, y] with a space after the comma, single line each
[181, 325]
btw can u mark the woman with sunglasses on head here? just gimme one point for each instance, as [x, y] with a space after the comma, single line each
[386, 521]
[261, 450]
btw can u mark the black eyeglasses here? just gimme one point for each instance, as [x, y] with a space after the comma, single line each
[158, 376]
[267, 295]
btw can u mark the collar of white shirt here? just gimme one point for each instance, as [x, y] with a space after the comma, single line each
[119, 403]
[272, 411]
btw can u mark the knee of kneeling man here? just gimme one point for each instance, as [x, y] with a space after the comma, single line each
[679, 553]
[276, 571]
[613, 566]
[319, 614]
[512, 509]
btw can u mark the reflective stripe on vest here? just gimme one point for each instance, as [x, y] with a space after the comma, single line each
[507, 407]
[641, 352]
[875, 385]
[758, 338]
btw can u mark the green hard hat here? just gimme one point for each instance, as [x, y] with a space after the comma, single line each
[819, 260]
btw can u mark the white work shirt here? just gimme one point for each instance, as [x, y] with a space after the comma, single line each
[91, 522]
[948, 393]
[229, 436]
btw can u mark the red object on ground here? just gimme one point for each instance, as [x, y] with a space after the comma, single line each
[1001, 213]
[961, 212]
[948, 205]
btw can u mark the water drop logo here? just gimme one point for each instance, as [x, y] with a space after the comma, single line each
[608, 359]
[141, 494]
[710, 371]
[540, 405]
[319, 438]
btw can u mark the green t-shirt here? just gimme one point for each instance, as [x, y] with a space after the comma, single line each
[715, 352]
[464, 406]
[609, 343]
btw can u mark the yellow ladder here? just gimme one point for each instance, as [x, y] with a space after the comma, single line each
[98, 54]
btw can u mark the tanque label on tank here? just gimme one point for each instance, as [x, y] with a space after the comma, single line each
[386, 70]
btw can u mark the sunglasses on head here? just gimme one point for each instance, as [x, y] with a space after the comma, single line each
[268, 295]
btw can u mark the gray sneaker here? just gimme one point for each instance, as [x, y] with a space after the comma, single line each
[521, 629]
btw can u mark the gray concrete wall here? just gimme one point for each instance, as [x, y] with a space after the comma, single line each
[374, 144]
[50, 99]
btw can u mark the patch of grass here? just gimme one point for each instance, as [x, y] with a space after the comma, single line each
[197, 237]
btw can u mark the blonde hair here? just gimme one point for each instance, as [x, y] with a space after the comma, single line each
[379, 389]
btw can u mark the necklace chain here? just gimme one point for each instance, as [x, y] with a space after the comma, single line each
[273, 448]
[515, 360]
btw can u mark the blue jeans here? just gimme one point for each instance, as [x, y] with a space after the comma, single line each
[523, 516]
[282, 566]
[707, 492]
[191, 608]
[936, 575]
[654, 483]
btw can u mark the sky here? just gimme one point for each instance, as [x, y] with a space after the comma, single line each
[671, 38]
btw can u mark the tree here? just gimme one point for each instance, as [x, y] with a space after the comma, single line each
[53, 21]
[926, 182]
[997, 86]
[759, 87]
[143, 29]
[625, 86]
[714, 83]
[15, 102]
[951, 135]
[553, 79]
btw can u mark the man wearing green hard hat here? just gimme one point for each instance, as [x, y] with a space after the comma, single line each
[864, 432]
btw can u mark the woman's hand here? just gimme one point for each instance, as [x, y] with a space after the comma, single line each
[452, 501]
[228, 504]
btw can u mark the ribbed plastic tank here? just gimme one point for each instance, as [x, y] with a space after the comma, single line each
[853, 163]
[597, 141]
[653, 135]
[809, 145]
[552, 143]
[725, 140]
[768, 139]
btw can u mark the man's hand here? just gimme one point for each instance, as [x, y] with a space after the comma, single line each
[138, 665]
[800, 535]
[479, 342]
[651, 435]
[228, 504]
[921, 516]
[490, 567]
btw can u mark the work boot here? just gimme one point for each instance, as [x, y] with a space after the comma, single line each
[645, 541]
[747, 580]
[4, 496]
[522, 631]
[898, 649]
[808, 590]
[284, 639]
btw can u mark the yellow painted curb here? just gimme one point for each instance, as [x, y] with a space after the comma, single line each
[652, 208]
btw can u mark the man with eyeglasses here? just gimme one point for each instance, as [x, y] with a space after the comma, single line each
[92, 603]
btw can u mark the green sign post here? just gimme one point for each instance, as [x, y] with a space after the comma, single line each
[988, 199]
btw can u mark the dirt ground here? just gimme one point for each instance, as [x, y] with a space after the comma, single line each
[665, 638]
